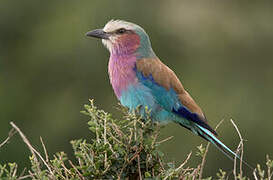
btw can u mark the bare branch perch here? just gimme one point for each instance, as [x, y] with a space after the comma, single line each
[32, 150]
[11, 133]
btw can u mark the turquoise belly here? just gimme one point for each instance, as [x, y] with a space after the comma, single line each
[140, 96]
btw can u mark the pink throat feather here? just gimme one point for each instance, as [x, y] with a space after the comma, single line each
[122, 62]
[121, 73]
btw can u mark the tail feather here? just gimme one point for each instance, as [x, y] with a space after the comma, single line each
[206, 134]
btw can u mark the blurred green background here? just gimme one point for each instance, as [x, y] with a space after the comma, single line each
[220, 50]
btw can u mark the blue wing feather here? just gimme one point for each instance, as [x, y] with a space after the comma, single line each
[168, 99]
[185, 113]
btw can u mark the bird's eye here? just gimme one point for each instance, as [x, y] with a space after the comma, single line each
[121, 31]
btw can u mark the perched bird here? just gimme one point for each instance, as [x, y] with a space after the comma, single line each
[139, 78]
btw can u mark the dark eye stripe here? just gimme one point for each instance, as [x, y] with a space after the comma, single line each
[121, 31]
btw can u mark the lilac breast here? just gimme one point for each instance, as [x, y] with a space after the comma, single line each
[121, 72]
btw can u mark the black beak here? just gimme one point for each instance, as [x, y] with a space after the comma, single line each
[98, 33]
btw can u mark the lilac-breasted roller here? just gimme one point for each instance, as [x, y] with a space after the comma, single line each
[140, 79]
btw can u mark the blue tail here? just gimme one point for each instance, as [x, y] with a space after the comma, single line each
[221, 146]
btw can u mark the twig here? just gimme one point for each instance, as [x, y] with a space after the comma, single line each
[11, 133]
[112, 136]
[80, 175]
[177, 169]
[106, 169]
[135, 130]
[121, 171]
[161, 164]
[66, 171]
[32, 150]
[22, 173]
[195, 172]
[205, 154]
[27, 143]
[130, 136]
[164, 140]
[185, 161]
[117, 130]
[31, 175]
[15, 170]
[136, 154]
[111, 148]
[45, 151]
[240, 147]
[269, 174]
[133, 157]
[139, 170]
[24, 177]
[62, 162]
[105, 141]
[255, 175]
[155, 137]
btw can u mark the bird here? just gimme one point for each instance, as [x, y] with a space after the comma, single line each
[140, 79]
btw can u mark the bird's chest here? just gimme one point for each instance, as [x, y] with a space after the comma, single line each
[122, 74]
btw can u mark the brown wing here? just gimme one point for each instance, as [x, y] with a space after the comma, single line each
[165, 77]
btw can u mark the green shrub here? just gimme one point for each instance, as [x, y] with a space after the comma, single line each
[125, 148]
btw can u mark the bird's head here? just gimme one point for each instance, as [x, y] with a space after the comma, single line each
[124, 38]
